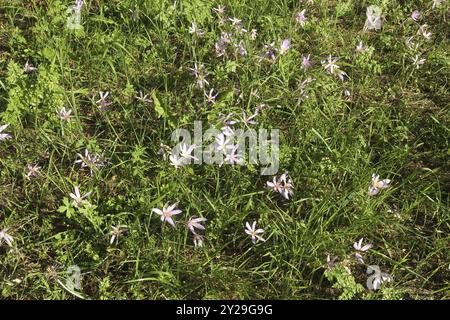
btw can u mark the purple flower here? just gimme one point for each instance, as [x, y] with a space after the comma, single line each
[300, 17]
[185, 151]
[78, 199]
[374, 19]
[196, 31]
[91, 161]
[423, 30]
[331, 261]
[330, 64]
[306, 62]
[103, 103]
[220, 9]
[417, 61]
[361, 47]
[285, 46]
[143, 98]
[167, 213]
[237, 23]
[248, 120]
[116, 232]
[360, 249]
[33, 170]
[64, 114]
[28, 68]
[198, 240]
[283, 185]
[6, 237]
[253, 232]
[234, 157]
[200, 76]
[378, 184]
[377, 277]
[4, 136]
[269, 52]
[195, 223]
[240, 48]
[416, 15]
[220, 48]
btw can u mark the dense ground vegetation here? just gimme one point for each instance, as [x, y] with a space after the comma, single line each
[349, 101]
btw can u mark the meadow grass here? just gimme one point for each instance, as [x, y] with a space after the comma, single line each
[392, 120]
